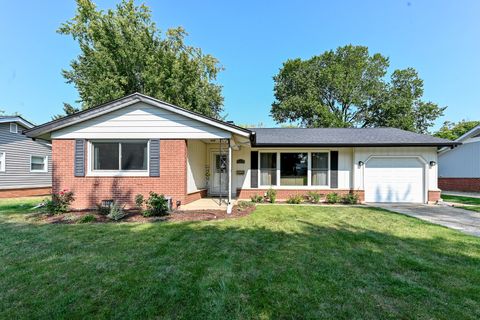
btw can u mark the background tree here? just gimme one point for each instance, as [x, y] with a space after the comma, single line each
[452, 130]
[122, 52]
[348, 88]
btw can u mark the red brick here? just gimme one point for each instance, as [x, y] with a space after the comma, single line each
[459, 184]
[89, 191]
[283, 194]
[25, 192]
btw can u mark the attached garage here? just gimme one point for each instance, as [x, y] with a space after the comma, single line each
[395, 179]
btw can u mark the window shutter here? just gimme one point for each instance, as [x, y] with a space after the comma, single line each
[254, 169]
[154, 158]
[333, 169]
[79, 159]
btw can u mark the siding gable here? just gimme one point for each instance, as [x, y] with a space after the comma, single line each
[141, 121]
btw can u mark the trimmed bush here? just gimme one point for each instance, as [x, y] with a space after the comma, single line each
[351, 198]
[295, 199]
[116, 212]
[245, 204]
[272, 195]
[332, 198]
[157, 205]
[88, 218]
[60, 202]
[256, 198]
[139, 201]
[314, 197]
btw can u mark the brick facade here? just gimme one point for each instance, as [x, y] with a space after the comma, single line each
[283, 194]
[434, 196]
[459, 184]
[89, 191]
[25, 192]
[197, 195]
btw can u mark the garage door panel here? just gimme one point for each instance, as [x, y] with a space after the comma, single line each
[394, 180]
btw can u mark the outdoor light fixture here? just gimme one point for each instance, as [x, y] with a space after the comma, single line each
[360, 163]
[433, 163]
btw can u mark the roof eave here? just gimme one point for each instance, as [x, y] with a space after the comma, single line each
[336, 145]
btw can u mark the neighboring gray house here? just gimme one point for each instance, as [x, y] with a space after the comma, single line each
[25, 164]
[459, 168]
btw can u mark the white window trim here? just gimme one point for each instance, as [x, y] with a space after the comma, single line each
[309, 172]
[116, 173]
[13, 125]
[45, 163]
[3, 157]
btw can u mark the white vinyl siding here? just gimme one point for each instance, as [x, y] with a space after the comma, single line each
[461, 162]
[17, 149]
[141, 121]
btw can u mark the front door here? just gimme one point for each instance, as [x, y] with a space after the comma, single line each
[219, 180]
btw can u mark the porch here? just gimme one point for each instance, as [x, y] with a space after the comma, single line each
[209, 203]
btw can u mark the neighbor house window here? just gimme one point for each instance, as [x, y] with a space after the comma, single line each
[2, 161]
[13, 128]
[293, 169]
[120, 156]
[38, 164]
[268, 169]
[319, 169]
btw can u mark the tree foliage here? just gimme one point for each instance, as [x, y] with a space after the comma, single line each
[451, 130]
[349, 88]
[122, 52]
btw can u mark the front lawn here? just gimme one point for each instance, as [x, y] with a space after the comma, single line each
[279, 262]
[468, 203]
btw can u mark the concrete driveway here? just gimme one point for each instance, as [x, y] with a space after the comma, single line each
[459, 219]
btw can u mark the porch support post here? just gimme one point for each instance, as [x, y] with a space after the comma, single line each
[229, 205]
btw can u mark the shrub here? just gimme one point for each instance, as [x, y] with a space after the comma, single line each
[157, 205]
[295, 199]
[350, 198]
[103, 210]
[87, 218]
[314, 197]
[139, 200]
[116, 212]
[256, 198]
[333, 197]
[60, 202]
[272, 195]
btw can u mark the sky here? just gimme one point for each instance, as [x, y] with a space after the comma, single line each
[251, 39]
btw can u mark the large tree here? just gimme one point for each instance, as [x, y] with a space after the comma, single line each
[451, 130]
[348, 87]
[122, 51]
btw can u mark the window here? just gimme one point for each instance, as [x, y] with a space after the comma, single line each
[38, 164]
[13, 128]
[293, 169]
[319, 169]
[268, 169]
[120, 156]
[2, 161]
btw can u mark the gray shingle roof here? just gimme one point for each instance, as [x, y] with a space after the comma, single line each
[344, 137]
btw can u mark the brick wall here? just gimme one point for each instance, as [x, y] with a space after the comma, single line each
[89, 191]
[459, 184]
[283, 194]
[197, 195]
[26, 192]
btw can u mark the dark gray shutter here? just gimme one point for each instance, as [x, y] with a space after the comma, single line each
[154, 158]
[79, 159]
[254, 169]
[333, 169]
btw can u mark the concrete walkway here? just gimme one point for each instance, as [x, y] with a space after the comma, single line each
[455, 218]
[462, 194]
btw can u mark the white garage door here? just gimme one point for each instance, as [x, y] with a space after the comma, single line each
[394, 180]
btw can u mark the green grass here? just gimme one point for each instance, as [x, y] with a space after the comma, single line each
[472, 204]
[279, 262]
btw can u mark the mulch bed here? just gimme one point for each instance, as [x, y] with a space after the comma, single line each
[135, 216]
